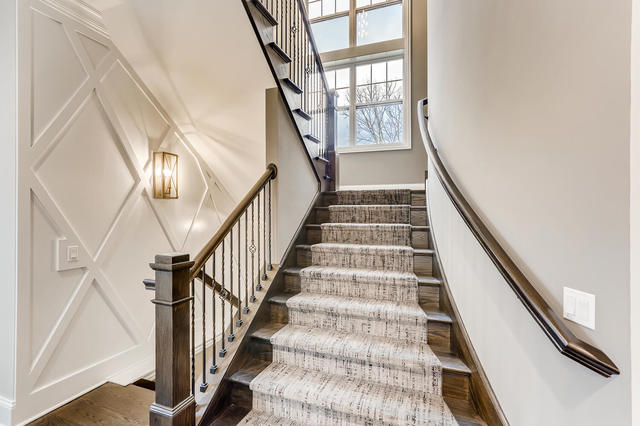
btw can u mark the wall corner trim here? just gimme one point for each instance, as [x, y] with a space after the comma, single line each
[81, 11]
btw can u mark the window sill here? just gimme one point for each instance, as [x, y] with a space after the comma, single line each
[372, 148]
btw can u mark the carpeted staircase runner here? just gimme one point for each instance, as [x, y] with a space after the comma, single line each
[355, 351]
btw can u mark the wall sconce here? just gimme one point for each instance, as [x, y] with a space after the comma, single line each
[165, 175]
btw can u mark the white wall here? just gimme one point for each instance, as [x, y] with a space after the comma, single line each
[296, 184]
[529, 106]
[87, 127]
[635, 210]
[204, 63]
[8, 171]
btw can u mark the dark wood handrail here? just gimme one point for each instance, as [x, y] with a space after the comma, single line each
[208, 250]
[553, 326]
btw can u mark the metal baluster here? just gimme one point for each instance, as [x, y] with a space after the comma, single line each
[239, 321]
[204, 385]
[253, 251]
[264, 232]
[246, 262]
[270, 264]
[223, 296]
[231, 335]
[214, 366]
[258, 286]
[193, 337]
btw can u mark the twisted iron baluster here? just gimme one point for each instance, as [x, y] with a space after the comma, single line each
[223, 296]
[270, 265]
[204, 385]
[253, 251]
[246, 262]
[258, 286]
[231, 335]
[239, 321]
[214, 366]
[264, 232]
[193, 337]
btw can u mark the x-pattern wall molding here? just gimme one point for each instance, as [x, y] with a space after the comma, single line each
[85, 176]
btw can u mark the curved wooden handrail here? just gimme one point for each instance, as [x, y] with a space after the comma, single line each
[553, 326]
[208, 250]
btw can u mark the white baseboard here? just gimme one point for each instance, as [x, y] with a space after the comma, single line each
[412, 186]
[6, 411]
[143, 368]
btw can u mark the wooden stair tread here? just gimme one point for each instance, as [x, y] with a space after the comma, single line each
[248, 372]
[293, 270]
[423, 252]
[464, 412]
[263, 10]
[451, 363]
[439, 317]
[292, 85]
[429, 280]
[312, 138]
[265, 333]
[280, 299]
[230, 416]
[281, 53]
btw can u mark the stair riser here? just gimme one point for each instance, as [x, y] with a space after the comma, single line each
[419, 239]
[418, 199]
[370, 214]
[428, 296]
[418, 216]
[400, 291]
[241, 395]
[379, 260]
[412, 378]
[422, 263]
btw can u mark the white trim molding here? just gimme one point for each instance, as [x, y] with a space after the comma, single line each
[6, 411]
[81, 11]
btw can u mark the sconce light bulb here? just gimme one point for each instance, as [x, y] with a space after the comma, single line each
[166, 172]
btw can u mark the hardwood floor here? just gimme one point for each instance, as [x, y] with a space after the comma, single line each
[110, 404]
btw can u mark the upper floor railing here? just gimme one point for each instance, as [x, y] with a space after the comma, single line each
[283, 28]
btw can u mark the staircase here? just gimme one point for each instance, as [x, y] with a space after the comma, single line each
[358, 335]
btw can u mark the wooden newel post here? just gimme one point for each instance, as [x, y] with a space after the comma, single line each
[174, 405]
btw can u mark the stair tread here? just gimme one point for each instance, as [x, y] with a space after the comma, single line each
[230, 416]
[439, 317]
[423, 252]
[322, 391]
[263, 10]
[280, 299]
[429, 280]
[464, 412]
[265, 333]
[283, 55]
[292, 270]
[248, 372]
[451, 362]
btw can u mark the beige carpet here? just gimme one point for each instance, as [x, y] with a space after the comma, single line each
[355, 351]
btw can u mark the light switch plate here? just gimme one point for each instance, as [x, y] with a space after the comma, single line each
[69, 256]
[579, 307]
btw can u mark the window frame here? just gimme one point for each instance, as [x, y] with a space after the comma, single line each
[355, 55]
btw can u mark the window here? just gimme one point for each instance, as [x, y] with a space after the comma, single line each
[363, 47]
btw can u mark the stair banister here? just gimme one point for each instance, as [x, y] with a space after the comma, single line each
[175, 278]
[284, 32]
[556, 330]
